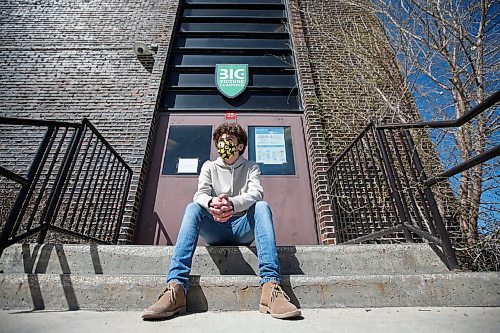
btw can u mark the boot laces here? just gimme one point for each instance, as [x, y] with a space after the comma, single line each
[278, 291]
[170, 290]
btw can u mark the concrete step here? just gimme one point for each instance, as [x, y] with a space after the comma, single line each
[154, 260]
[240, 293]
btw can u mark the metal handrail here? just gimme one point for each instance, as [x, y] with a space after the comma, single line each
[72, 159]
[481, 158]
[476, 160]
[36, 122]
[349, 147]
[480, 108]
[383, 162]
[87, 122]
[487, 103]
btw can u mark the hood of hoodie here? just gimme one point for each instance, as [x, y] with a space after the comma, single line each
[220, 162]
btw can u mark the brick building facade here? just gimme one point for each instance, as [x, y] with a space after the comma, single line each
[66, 60]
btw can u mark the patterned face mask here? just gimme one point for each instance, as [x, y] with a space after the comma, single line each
[226, 149]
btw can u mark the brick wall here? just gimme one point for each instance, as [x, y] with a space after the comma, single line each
[352, 68]
[67, 60]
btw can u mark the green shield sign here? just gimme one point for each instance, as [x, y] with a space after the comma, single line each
[231, 79]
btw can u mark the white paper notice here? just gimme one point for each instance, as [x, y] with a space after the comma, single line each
[187, 165]
[270, 145]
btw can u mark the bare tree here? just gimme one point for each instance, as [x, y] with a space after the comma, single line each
[451, 47]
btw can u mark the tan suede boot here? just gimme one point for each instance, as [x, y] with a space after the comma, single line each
[170, 302]
[276, 302]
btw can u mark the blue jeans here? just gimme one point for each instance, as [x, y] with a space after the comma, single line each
[256, 224]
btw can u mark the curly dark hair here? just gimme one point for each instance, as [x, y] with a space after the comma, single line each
[232, 129]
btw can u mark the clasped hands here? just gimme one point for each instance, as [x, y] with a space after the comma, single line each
[221, 208]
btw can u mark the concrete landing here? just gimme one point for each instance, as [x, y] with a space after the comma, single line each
[359, 320]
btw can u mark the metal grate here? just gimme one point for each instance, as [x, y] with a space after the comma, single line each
[231, 32]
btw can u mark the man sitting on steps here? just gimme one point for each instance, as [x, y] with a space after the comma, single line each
[227, 210]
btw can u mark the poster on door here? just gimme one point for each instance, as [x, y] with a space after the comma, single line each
[270, 145]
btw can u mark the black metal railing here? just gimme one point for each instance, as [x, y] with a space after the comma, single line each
[380, 189]
[76, 183]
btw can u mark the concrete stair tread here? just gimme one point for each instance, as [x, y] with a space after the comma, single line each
[308, 260]
[56, 291]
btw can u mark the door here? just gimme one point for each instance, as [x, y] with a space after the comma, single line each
[184, 142]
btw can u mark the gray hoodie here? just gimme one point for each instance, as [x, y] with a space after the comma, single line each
[240, 181]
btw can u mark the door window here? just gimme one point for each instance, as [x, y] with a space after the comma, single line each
[271, 147]
[187, 148]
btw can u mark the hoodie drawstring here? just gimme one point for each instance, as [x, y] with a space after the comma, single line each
[232, 179]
